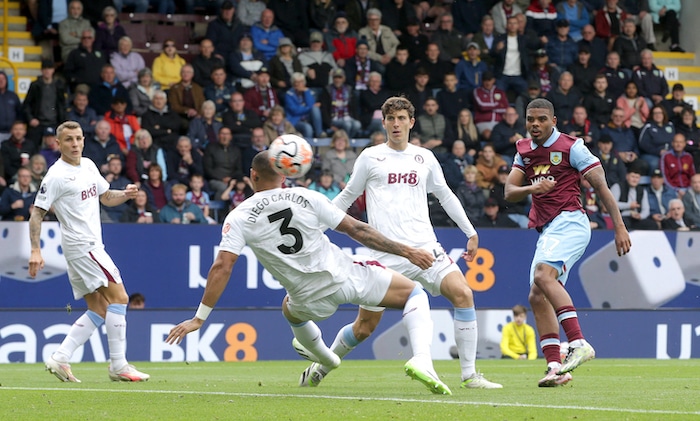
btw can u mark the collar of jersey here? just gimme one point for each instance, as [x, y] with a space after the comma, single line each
[553, 138]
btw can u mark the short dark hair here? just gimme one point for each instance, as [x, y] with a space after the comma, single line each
[261, 164]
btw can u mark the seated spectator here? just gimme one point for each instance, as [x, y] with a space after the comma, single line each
[633, 202]
[186, 97]
[692, 135]
[624, 142]
[466, 132]
[280, 76]
[82, 113]
[16, 150]
[11, 108]
[17, 199]
[46, 19]
[127, 63]
[83, 64]
[137, 301]
[677, 165]
[245, 62]
[660, 196]
[45, 103]
[666, 13]
[203, 129]
[277, 125]
[205, 62]
[340, 39]
[677, 220]
[545, 74]
[584, 72]
[452, 100]
[523, 100]
[258, 143]
[249, 11]
[116, 182]
[599, 104]
[541, 17]
[261, 97]
[676, 104]
[292, 18]
[450, 41]
[226, 30]
[371, 101]
[71, 28]
[219, 92]
[109, 32]
[266, 35]
[628, 45]
[458, 155]
[37, 166]
[339, 159]
[419, 92]
[122, 125]
[162, 123]
[506, 133]
[326, 185]
[470, 195]
[302, 108]
[490, 103]
[516, 211]
[493, 218]
[650, 79]
[142, 93]
[518, 340]
[199, 197]
[379, 137]
[435, 67]
[316, 63]
[575, 12]
[488, 163]
[435, 130]
[183, 163]
[416, 41]
[339, 105]
[140, 211]
[156, 189]
[486, 40]
[616, 77]
[49, 149]
[564, 98]
[101, 145]
[501, 11]
[580, 126]
[596, 46]
[358, 70]
[691, 200]
[381, 40]
[168, 65]
[222, 162]
[240, 120]
[656, 136]
[635, 108]
[142, 156]
[469, 70]
[561, 48]
[102, 94]
[179, 210]
[609, 22]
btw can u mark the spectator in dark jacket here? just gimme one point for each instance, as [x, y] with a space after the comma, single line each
[596, 45]
[40, 113]
[493, 217]
[225, 31]
[10, 107]
[402, 71]
[84, 64]
[101, 145]
[564, 98]
[205, 62]
[16, 150]
[650, 79]
[656, 136]
[102, 94]
[599, 103]
[629, 46]
[614, 167]
[562, 49]
[467, 16]
[506, 133]
[616, 76]
[162, 123]
[583, 71]
[108, 32]
[183, 162]
[18, 198]
[222, 162]
[470, 195]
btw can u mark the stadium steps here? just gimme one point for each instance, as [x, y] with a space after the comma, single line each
[28, 62]
[680, 68]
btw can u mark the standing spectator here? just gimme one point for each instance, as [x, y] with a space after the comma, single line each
[541, 17]
[203, 129]
[47, 19]
[633, 200]
[50, 150]
[650, 79]
[277, 125]
[402, 71]
[341, 40]
[282, 65]
[691, 200]
[628, 45]
[142, 157]
[222, 162]
[490, 103]
[599, 104]
[469, 70]
[467, 15]
[624, 142]
[317, 63]
[396, 14]
[677, 165]
[70, 30]
[565, 97]
[371, 100]
[109, 88]
[249, 11]
[666, 13]
[467, 133]
[358, 69]
[179, 210]
[436, 68]
[220, 91]
[266, 36]
[101, 145]
[609, 22]
[16, 150]
[470, 195]
[109, 32]
[506, 133]
[597, 46]
[141, 93]
[493, 218]
[501, 11]
[488, 164]
[302, 109]
[205, 62]
[183, 162]
[18, 198]
[240, 120]
[10, 108]
[583, 71]
[656, 136]
[117, 182]
[339, 105]
[616, 77]
[575, 12]
[435, 130]
[245, 62]
[450, 41]
[414, 40]
[162, 123]
[45, 103]
[226, 30]
[635, 108]
[639, 11]
[127, 63]
[512, 59]
[122, 125]
[581, 127]
[545, 74]
[339, 159]
[452, 100]
[676, 104]
[486, 40]
[167, 67]
[614, 167]
[186, 97]
[380, 39]
[561, 48]
[292, 17]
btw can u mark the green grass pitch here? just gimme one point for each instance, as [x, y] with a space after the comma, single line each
[603, 389]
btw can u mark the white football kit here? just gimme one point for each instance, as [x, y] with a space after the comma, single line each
[397, 184]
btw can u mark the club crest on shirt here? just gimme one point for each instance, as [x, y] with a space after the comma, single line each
[419, 159]
[226, 228]
[42, 189]
[555, 158]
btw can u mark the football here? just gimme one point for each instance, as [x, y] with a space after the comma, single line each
[291, 155]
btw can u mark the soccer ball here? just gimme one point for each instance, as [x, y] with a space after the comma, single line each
[291, 155]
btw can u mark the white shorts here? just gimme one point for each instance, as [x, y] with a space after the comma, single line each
[366, 283]
[90, 272]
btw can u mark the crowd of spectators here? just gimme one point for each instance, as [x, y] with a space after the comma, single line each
[185, 131]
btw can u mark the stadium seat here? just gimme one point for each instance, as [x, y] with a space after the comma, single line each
[215, 206]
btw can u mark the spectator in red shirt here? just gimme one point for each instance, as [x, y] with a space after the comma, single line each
[677, 165]
[490, 103]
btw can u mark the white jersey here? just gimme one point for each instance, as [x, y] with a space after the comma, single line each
[74, 192]
[397, 184]
[284, 228]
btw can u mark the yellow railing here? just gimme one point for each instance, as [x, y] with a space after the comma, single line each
[14, 71]
[5, 25]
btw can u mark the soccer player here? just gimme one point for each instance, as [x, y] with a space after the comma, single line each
[397, 177]
[284, 228]
[549, 166]
[74, 188]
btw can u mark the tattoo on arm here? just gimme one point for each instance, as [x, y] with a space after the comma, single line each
[597, 180]
[373, 239]
[35, 227]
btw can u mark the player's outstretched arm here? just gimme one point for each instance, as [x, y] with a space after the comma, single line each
[117, 197]
[596, 177]
[36, 261]
[370, 237]
[217, 279]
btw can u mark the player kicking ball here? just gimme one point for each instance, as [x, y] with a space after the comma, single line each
[549, 167]
[284, 228]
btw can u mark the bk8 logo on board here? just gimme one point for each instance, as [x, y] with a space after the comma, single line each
[291, 155]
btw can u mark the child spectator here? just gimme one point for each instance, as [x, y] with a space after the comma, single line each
[518, 341]
[237, 192]
[199, 197]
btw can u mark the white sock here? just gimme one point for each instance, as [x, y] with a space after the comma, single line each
[416, 318]
[309, 335]
[345, 341]
[78, 334]
[466, 333]
[115, 322]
